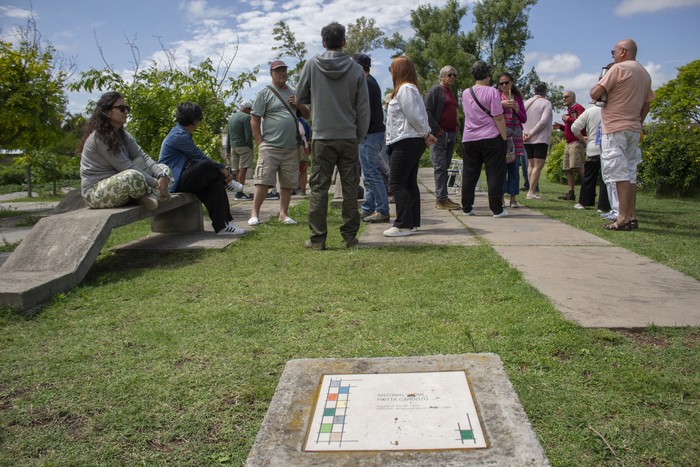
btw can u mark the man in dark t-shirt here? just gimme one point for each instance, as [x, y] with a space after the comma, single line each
[376, 205]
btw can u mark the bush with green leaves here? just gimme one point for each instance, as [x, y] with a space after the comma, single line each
[553, 169]
[671, 158]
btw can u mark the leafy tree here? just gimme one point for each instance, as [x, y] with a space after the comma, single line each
[679, 99]
[438, 41]
[153, 94]
[32, 96]
[527, 83]
[289, 47]
[363, 37]
[502, 31]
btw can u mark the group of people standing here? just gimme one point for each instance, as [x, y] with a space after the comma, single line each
[348, 127]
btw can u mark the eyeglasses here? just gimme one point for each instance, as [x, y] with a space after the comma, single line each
[122, 108]
[612, 52]
[451, 75]
[565, 98]
[503, 83]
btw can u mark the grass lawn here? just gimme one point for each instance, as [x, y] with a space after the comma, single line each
[173, 358]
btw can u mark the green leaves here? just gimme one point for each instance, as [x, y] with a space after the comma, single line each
[679, 99]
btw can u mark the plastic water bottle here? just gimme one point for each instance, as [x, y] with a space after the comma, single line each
[603, 100]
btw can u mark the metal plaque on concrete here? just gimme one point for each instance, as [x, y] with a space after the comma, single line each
[395, 411]
[446, 410]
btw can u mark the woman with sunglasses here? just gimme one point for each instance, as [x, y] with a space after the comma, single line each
[113, 168]
[407, 136]
[515, 115]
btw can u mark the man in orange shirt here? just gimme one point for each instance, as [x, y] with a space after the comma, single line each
[628, 86]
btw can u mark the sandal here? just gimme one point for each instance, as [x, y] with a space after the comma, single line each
[514, 204]
[625, 226]
[634, 223]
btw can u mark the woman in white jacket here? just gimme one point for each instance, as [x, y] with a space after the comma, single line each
[407, 135]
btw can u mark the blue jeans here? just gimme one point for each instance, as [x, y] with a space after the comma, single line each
[375, 190]
[441, 156]
[523, 161]
[511, 185]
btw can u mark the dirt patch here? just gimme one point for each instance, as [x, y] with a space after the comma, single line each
[641, 339]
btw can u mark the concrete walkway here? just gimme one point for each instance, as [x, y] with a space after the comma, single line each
[591, 281]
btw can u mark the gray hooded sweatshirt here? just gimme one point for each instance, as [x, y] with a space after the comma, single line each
[336, 88]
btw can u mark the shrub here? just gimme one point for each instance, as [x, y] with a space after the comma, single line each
[671, 158]
[553, 170]
[12, 175]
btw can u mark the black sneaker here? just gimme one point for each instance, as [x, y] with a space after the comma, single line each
[570, 196]
[242, 196]
[272, 195]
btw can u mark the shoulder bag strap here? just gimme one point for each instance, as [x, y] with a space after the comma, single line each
[289, 109]
[531, 102]
[471, 90]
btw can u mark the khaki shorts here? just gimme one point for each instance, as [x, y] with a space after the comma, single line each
[241, 158]
[273, 162]
[574, 156]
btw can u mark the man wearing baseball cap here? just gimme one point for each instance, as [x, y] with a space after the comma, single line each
[239, 145]
[274, 121]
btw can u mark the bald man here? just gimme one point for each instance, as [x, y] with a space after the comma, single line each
[628, 86]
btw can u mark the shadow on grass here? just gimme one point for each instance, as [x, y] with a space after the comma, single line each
[128, 264]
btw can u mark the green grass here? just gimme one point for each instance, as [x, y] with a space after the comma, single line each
[173, 358]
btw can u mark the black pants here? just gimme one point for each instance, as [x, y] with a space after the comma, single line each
[204, 179]
[403, 179]
[592, 177]
[492, 154]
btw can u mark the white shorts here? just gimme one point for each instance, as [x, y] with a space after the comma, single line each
[620, 156]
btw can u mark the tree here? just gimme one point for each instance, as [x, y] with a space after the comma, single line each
[363, 37]
[527, 83]
[153, 94]
[438, 41]
[671, 149]
[502, 32]
[32, 96]
[289, 47]
[679, 99]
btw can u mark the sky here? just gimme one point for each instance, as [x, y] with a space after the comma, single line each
[571, 40]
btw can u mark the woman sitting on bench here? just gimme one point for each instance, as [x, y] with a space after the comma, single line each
[113, 168]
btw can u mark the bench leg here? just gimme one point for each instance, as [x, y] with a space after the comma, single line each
[186, 219]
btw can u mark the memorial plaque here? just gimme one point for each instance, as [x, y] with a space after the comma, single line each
[395, 412]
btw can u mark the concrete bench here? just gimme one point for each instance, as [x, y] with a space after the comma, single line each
[60, 249]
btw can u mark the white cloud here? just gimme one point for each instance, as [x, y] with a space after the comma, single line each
[631, 7]
[558, 64]
[14, 12]
[658, 75]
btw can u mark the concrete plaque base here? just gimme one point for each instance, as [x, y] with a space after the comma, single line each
[282, 438]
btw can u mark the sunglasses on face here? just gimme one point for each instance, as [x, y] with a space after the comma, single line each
[503, 83]
[122, 108]
[451, 75]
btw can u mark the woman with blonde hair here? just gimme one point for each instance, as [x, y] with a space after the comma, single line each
[407, 135]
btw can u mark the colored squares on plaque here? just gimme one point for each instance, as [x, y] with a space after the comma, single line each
[339, 419]
[332, 397]
[344, 390]
[329, 412]
[326, 427]
[341, 404]
[466, 434]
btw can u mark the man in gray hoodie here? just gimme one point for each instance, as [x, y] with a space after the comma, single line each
[336, 88]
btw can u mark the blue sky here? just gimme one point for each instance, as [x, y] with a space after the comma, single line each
[571, 40]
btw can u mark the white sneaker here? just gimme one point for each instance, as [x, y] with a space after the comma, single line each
[231, 229]
[579, 206]
[233, 185]
[397, 232]
[149, 202]
[502, 214]
[469, 213]
[254, 221]
[533, 197]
